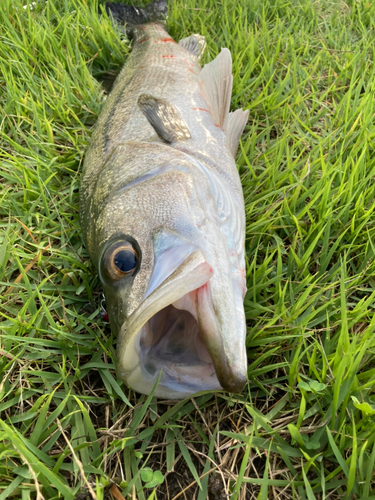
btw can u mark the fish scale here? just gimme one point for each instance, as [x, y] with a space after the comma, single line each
[160, 184]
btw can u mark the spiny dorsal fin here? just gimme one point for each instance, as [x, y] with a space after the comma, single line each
[164, 118]
[195, 44]
[236, 123]
[215, 82]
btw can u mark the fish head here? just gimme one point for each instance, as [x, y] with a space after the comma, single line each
[173, 297]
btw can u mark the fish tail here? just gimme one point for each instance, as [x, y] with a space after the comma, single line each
[131, 16]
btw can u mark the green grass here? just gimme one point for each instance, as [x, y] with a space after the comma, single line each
[304, 428]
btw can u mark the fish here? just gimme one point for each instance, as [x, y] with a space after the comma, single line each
[162, 213]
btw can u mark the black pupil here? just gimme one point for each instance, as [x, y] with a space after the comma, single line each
[125, 260]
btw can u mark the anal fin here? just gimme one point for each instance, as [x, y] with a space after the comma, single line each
[236, 123]
[215, 82]
[195, 44]
[164, 118]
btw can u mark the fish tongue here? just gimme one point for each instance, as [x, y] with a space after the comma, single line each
[228, 373]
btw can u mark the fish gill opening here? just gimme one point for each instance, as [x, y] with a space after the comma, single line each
[172, 341]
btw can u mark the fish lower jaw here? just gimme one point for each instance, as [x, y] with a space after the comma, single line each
[183, 344]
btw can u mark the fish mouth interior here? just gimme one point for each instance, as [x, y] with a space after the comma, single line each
[171, 341]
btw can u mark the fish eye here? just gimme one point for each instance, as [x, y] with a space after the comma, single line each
[121, 260]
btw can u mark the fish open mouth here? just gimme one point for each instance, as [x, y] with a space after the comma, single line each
[166, 335]
[176, 332]
[172, 341]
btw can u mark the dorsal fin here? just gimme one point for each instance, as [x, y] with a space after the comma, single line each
[215, 82]
[195, 44]
[164, 118]
[236, 123]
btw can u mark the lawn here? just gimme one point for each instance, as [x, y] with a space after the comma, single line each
[304, 427]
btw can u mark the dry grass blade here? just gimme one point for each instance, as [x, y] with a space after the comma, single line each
[77, 461]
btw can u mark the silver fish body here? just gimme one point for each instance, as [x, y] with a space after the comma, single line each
[162, 214]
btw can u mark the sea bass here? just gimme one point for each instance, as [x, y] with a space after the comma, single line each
[162, 213]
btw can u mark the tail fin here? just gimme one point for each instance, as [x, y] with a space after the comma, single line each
[133, 16]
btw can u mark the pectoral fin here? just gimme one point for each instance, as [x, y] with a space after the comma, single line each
[164, 118]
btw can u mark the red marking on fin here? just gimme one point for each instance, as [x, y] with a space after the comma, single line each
[168, 57]
[144, 40]
[200, 109]
[192, 71]
[164, 40]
